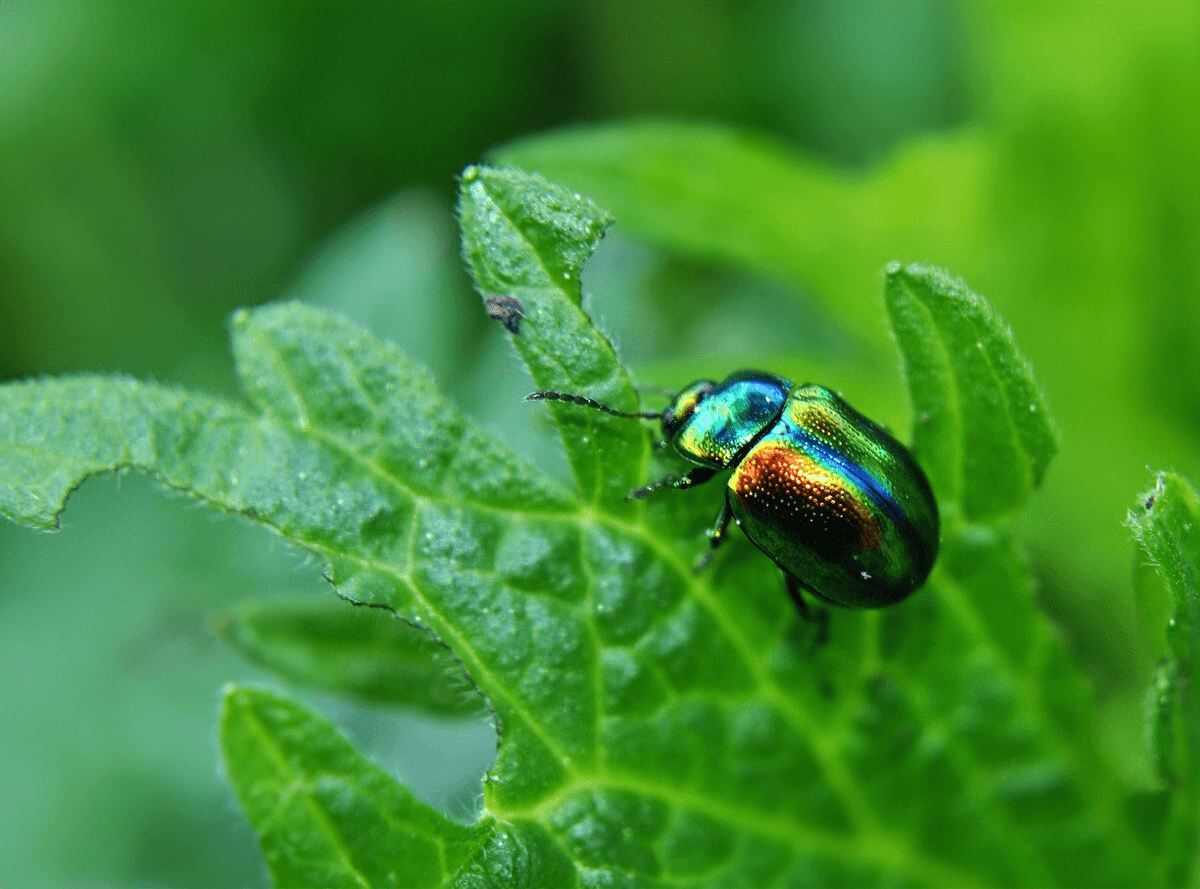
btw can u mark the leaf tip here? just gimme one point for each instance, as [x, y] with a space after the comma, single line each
[230, 691]
[929, 276]
[239, 699]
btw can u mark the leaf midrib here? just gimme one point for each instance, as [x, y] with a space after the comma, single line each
[296, 784]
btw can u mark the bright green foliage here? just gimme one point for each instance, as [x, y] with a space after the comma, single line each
[529, 241]
[325, 815]
[980, 425]
[657, 727]
[1166, 525]
[362, 652]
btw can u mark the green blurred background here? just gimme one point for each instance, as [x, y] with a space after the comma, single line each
[162, 164]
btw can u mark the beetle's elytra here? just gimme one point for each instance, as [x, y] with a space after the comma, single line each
[832, 498]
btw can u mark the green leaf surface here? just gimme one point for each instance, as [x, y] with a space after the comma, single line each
[657, 726]
[325, 816]
[1166, 526]
[980, 424]
[526, 240]
[365, 653]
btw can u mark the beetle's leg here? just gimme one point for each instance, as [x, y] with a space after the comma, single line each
[716, 535]
[816, 617]
[689, 479]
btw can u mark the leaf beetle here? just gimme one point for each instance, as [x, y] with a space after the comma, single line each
[828, 495]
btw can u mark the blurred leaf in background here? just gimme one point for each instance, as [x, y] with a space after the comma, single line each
[160, 165]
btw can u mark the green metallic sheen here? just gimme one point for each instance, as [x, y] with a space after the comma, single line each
[713, 429]
[831, 497]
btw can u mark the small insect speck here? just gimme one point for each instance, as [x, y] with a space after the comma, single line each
[505, 309]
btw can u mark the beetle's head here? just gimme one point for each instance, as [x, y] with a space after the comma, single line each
[678, 412]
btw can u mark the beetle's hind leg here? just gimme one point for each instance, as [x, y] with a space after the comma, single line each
[694, 476]
[815, 616]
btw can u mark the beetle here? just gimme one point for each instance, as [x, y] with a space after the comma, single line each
[831, 497]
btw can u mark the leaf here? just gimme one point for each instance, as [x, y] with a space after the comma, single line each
[980, 425]
[525, 241]
[1166, 526]
[355, 457]
[657, 727]
[324, 815]
[365, 653]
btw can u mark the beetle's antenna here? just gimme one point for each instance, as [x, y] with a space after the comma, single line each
[588, 402]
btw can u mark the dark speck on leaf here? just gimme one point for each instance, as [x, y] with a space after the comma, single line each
[505, 309]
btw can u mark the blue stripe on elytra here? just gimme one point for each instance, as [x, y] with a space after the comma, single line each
[879, 495]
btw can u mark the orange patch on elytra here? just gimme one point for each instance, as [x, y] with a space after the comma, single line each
[792, 491]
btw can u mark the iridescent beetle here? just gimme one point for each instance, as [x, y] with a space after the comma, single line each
[832, 498]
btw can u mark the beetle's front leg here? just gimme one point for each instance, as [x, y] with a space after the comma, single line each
[695, 476]
[717, 535]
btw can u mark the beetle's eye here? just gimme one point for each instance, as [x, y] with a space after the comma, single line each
[677, 414]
